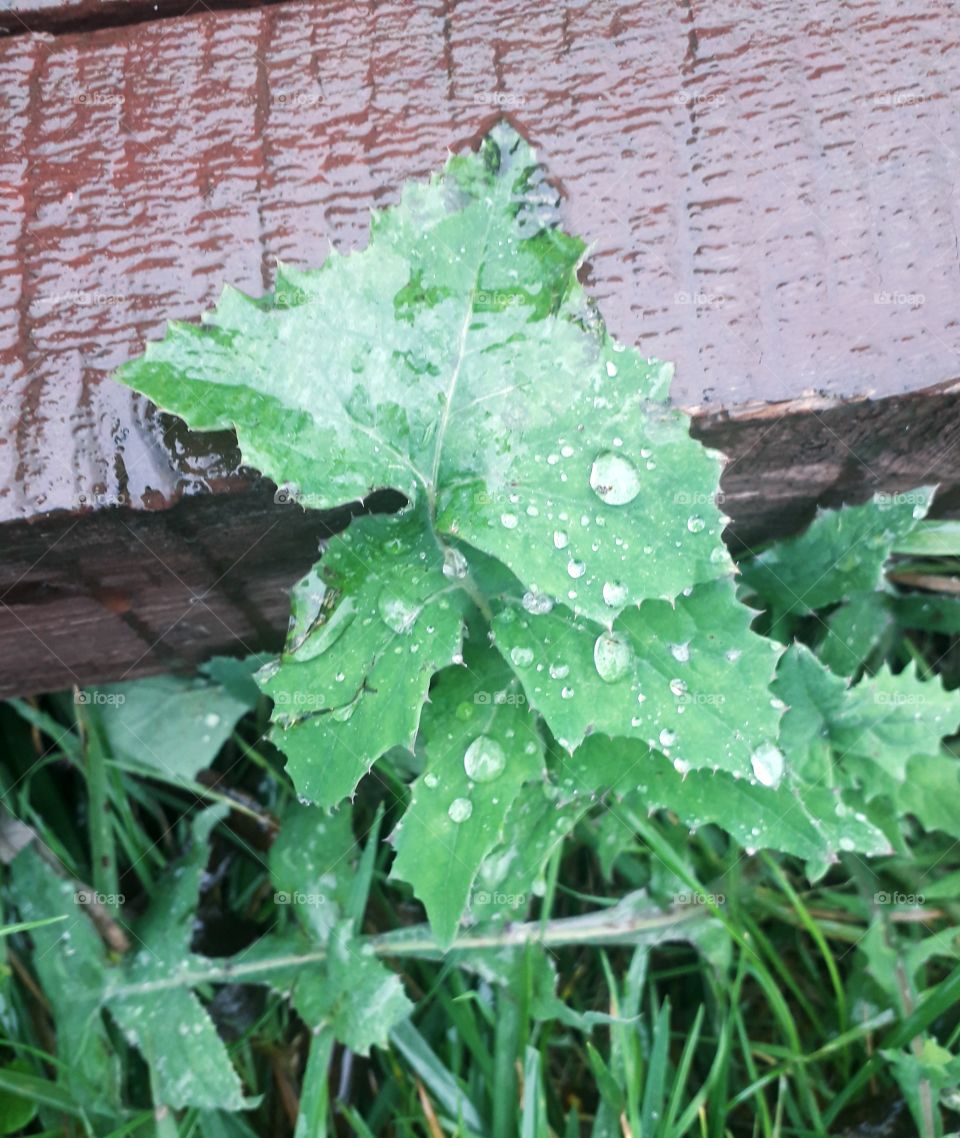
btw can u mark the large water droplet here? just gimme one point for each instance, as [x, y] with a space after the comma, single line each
[667, 737]
[612, 656]
[508, 521]
[430, 780]
[560, 539]
[521, 657]
[696, 524]
[537, 603]
[615, 593]
[680, 652]
[559, 671]
[455, 565]
[484, 760]
[614, 479]
[576, 569]
[397, 611]
[767, 763]
[460, 809]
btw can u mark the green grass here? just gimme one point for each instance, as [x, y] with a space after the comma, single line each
[777, 1011]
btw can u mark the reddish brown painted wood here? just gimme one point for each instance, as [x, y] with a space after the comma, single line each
[769, 190]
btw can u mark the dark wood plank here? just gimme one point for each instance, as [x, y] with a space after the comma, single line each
[769, 190]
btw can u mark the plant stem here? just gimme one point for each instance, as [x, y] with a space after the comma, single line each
[610, 926]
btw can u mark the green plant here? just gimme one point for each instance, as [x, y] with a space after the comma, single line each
[547, 619]
[546, 682]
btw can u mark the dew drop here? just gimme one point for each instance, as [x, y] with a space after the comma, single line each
[611, 368]
[576, 569]
[767, 763]
[680, 652]
[678, 687]
[212, 720]
[397, 612]
[508, 521]
[560, 539]
[566, 693]
[614, 479]
[455, 565]
[430, 781]
[559, 671]
[612, 656]
[667, 737]
[484, 760]
[696, 524]
[521, 657]
[460, 809]
[537, 603]
[615, 593]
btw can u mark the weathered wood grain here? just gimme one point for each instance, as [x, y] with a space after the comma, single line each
[769, 190]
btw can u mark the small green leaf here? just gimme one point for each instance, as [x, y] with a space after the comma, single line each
[170, 724]
[381, 597]
[357, 995]
[481, 745]
[864, 734]
[841, 553]
[188, 1060]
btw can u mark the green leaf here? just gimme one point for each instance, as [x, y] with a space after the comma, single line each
[842, 553]
[70, 961]
[685, 678]
[382, 598]
[802, 821]
[854, 631]
[171, 1028]
[864, 734]
[357, 995]
[431, 362]
[311, 863]
[170, 724]
[481, 745]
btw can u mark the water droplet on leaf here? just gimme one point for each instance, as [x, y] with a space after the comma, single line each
[614, 479]
[612, 656]
[484, 759]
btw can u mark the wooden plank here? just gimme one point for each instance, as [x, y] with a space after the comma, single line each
[769, 191]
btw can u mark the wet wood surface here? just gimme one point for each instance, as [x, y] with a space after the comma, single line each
[769, 191]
